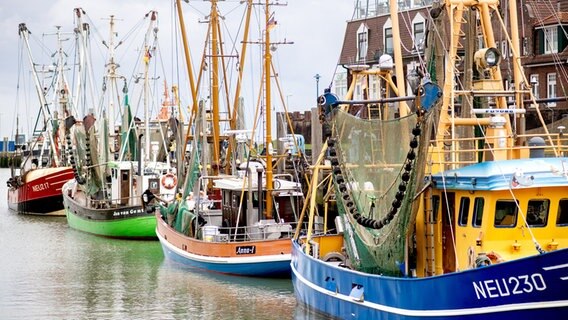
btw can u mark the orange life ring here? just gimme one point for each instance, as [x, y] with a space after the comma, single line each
[169, 181]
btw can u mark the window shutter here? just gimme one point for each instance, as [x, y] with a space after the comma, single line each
[540, 37]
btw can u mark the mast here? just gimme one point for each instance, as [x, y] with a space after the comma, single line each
[517, 66]
[233, 117]
[24, 33]
[112, 76]
[399, 70]
[215, 85]
[62, 93]
[268, 103]
[85, 74]
[189, 68]
[147, 57]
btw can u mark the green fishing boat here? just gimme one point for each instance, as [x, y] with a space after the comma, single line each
[112, 171]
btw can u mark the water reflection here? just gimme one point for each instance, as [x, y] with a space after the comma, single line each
[50, 271]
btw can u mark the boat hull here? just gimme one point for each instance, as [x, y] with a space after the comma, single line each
[40, 193]
[131, 222]
[268, 258]
[521, 289]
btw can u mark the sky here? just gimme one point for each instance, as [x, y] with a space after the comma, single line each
[316, 28]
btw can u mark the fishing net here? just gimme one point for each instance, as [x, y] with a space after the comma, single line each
[372, 158]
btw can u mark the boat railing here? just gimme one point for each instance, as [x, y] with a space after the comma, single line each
[261, 231]
[133, 200]
[467, 150]
[268, 231]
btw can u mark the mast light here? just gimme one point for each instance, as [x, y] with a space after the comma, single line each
[487, 58]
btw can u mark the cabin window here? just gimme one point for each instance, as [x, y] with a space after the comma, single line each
[226, 198]
[464, 211]
[435, 207]
[506, 213]
[236, 200]
[124, 175]
[562, 218]
[537, 212]
[255, 199]
[478, 205]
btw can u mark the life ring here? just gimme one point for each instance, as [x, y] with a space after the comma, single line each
[169, 181]
[334, 257]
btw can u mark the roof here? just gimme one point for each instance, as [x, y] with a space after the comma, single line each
[506, 174]
[546, 13]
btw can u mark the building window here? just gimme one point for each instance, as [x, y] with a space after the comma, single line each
[389, 49]
[525, 46]
[551, 88]
[551, 40]
[534, 85]
[362, 45]
[419, 36]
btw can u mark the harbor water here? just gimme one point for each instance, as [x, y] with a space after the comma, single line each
[49, 271]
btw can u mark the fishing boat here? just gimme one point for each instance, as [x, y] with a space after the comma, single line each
[469, 220]
[36, 188]
[104, 198]
[236, 218]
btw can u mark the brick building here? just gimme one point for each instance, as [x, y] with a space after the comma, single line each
[543, 29]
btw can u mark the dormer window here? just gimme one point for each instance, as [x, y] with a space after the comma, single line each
[389, 49]
[362, 42]
[418, 32]
[387, 37]
[551, 39]
[548, 40]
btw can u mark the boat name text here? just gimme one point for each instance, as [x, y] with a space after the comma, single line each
[127, 212]
[504, 287]
[40, 187]
[246, 250]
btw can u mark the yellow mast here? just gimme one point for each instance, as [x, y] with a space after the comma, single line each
[402, 107]
[215, 85]
[268, 103]
[233, 119]
[188, 65]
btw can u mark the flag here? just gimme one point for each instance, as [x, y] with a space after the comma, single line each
[271, 24]
[147, 56]
[128, 150]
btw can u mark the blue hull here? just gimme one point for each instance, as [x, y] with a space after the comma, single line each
[530, 288]
[251, 268]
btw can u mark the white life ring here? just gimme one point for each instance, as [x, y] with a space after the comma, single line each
[169, 181]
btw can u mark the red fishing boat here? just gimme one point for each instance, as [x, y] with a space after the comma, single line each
[35, 187]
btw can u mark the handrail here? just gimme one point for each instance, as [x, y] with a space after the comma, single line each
[250, 233]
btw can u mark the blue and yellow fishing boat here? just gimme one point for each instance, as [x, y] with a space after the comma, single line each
[468, 221]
